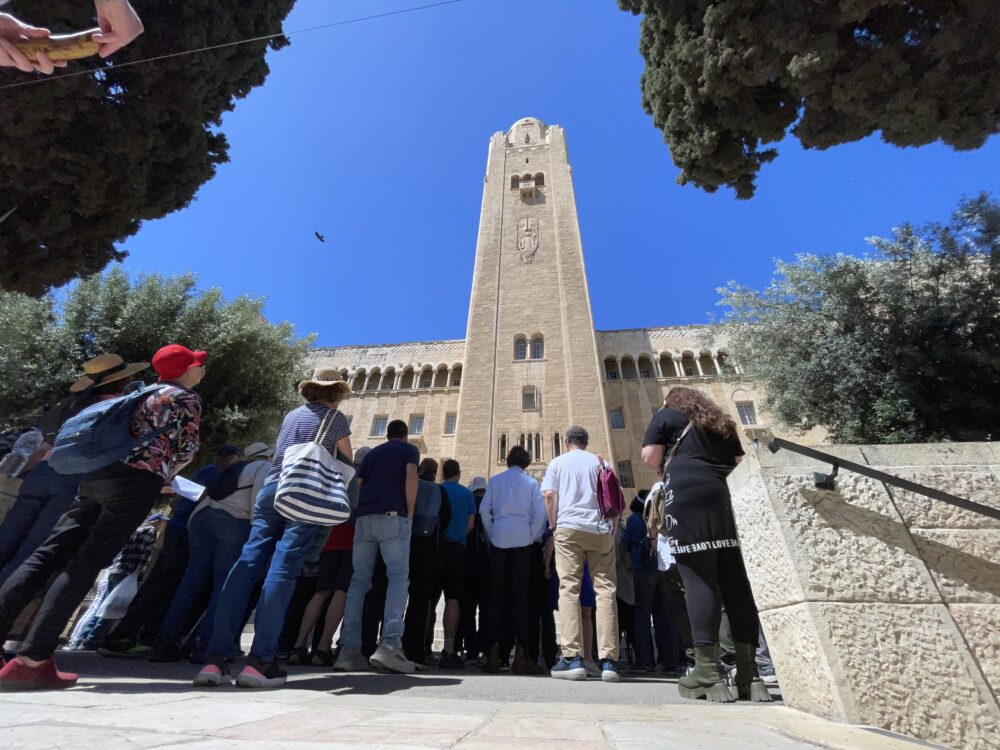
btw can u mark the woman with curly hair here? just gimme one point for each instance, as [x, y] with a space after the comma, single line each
[702, 535]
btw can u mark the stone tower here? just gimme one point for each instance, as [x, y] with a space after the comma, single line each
[531, 366]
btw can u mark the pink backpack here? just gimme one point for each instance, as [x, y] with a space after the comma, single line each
[610, 498]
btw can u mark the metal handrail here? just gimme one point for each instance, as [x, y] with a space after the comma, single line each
[826, 481]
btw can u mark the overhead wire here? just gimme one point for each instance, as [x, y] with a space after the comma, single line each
[264, 38]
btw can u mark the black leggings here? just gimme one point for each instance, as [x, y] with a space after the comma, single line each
[705, 575]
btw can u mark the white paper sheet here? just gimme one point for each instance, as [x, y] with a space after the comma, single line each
[187, 488]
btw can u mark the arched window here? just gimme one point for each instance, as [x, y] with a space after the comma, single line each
[707, 365]
[628, 369]
[426, 378]
[389, 379]
[408, 376]
[515, 182]
[645, 367]
[520, 348]
[503, 447]
[726, 364]
[556, 445]
[441, 378]
[611, 368]
[539, 180]
[538, 447]
[456, 376]
[667, 368]
[373, 380]
[537, 348]
[359, 381]
[688, 366]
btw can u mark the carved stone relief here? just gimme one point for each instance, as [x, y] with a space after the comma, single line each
[527, 239]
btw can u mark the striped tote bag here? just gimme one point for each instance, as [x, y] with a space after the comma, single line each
[312, 487]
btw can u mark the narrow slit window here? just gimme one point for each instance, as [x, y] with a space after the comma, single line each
[617, 419]
[529, 398]
[625, 474]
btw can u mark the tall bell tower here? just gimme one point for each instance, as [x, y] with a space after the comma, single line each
[531, 366]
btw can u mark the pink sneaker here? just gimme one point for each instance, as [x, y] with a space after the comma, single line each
[215, 672]
[256, 674]
[16, 675]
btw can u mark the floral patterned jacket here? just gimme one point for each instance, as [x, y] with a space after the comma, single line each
[167, 454]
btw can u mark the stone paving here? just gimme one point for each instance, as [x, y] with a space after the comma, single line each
[123, 705]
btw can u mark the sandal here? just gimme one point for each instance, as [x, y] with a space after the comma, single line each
[297, 657]
[321, 658]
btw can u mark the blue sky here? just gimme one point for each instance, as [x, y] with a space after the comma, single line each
[375, 135]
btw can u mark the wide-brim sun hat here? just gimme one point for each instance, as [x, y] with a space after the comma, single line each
[104, 369]
[326, 377]
[258, 450]
[360, 453]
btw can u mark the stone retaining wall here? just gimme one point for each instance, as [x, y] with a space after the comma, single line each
[881, 607]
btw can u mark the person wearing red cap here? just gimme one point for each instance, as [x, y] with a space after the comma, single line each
[110, 505]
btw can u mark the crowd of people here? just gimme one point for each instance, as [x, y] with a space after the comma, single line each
[503, 554]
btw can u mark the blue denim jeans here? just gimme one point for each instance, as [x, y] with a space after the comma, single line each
[92, 632]
[216, 541]
[390, 536]
[45, 495]
[274, 552]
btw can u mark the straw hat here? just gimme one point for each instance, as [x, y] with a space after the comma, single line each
[325, 377]
[104, 369]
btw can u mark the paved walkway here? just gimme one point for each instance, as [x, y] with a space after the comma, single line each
[123, 705]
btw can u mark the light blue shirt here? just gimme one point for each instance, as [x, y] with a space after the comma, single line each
[512, 510]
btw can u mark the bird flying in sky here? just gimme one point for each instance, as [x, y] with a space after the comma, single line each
[320, 237]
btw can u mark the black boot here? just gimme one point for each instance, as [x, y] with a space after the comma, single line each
[492, 665]
[749, 686]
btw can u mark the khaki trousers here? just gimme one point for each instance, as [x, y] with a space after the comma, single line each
[573, 548]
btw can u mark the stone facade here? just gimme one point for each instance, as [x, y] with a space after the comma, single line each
[531, 363]
[880, 606]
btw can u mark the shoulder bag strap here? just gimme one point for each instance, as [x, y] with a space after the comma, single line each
[324, 426]
[673, 450]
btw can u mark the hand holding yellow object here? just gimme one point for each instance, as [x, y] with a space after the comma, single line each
[61, 46]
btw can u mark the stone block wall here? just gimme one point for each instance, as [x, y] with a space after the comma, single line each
[881, 607]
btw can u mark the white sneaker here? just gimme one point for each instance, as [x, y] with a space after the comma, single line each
[350, 661]
[593, 671]
[768, 679]
[393, 659]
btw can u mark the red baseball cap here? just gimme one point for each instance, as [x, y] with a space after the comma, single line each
[174, 360]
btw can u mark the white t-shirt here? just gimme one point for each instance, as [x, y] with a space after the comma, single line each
[664, 557]
[240, 504]
[573, 477]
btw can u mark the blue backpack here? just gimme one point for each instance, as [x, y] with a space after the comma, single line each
[100, 435]
[427, 510]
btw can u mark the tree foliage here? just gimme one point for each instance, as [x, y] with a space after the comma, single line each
[724, 78]
[252, 364]
[902, 346]
[86, 159]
